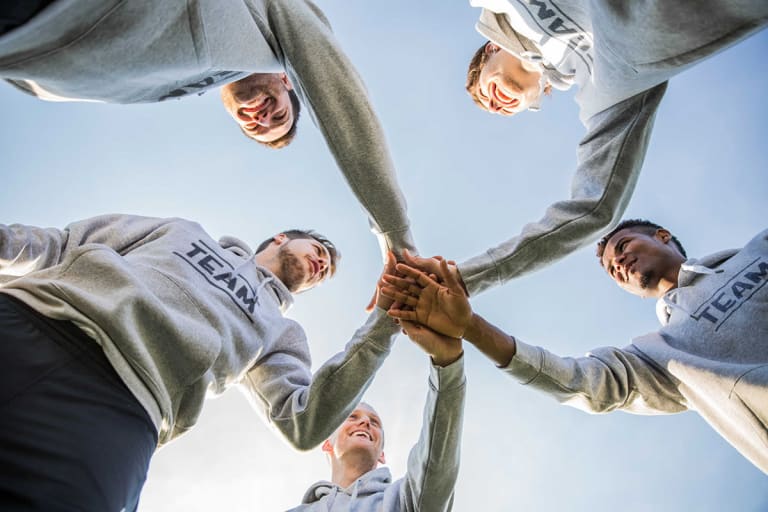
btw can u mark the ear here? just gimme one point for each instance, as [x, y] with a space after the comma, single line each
[280, 239]
[663, 235]
[491, 48]
[286, 82]
[327, 447]
[382, 459]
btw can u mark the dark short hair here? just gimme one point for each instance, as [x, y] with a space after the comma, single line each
[309, 234]
[476, 65]
[290, 134]
[641, 225]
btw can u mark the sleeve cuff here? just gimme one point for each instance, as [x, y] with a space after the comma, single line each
[527, 363]
[447, 377]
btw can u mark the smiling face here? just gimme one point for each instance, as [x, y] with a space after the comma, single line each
[641, 263]
[506, 85]
[261, 105]
[360, 437]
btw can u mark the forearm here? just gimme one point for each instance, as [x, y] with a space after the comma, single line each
[433, 463]
[339, 104]
[307, 408]
[604, 380]
[610, 158]
[498, 346]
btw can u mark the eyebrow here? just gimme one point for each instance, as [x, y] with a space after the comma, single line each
[615, 250]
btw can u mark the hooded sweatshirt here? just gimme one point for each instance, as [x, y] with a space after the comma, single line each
[119, 51]
[433, 463]
[710, 356]
[181, 316]
[620, 56]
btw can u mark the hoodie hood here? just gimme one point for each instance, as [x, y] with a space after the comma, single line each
[689, 271]
[271, 282]
[497, 29]
[373, 482]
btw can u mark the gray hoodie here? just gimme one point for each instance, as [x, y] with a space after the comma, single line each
[710, 356]
[120, 51]
[181, 316]
[620, 55]
[433, 464]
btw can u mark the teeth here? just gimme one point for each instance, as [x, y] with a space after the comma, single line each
[363, 434]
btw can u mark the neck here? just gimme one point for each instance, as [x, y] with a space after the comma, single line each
[269, 260]
[344, 473]
[668, 281]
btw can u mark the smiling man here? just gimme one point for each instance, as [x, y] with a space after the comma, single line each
[114, 330]
[619, 56]
[356, 448]
[265, 55]
[710, 355]
[264, 106]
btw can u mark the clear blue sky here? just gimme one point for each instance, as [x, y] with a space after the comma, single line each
[471, 180]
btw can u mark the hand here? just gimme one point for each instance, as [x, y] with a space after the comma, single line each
[443, 308]
[380, 299]
[431, 266]
[443, 350]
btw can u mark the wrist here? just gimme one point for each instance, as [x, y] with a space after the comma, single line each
[472, 329]
[444, 360]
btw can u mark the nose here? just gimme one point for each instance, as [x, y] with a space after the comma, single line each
[493, 106]
[262, 117]
[619, 263]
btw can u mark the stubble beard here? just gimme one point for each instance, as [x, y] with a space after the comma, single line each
[292, 272]
[645, 280]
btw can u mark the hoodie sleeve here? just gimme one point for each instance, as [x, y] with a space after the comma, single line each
[606, 379]
[339, 104]
[25, 249]
[610, 157]
[306, 409]
[433, 464]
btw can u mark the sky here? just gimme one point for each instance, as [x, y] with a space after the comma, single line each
[471, 181]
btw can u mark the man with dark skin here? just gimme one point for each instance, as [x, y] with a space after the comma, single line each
[709, 356]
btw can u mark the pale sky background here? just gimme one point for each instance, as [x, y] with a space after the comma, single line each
[471, 180]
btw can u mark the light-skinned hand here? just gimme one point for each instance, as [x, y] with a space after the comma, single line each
[443, 350]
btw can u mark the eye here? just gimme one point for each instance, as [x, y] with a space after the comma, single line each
[281, 117]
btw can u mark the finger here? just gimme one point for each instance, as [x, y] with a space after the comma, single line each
[418, 275]
[402, 315]
[449, 278]
[373, 301]
[394, 293]
[399, 282]
[389, 266]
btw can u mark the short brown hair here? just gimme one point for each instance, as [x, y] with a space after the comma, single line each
[476, 65]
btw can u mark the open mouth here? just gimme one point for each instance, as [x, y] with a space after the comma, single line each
[362, 433]
[504, 97]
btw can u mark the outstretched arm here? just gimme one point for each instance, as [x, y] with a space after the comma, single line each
[610, 157]
[307, 408]
[339, 104]
[606, 379]
[433, 463]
